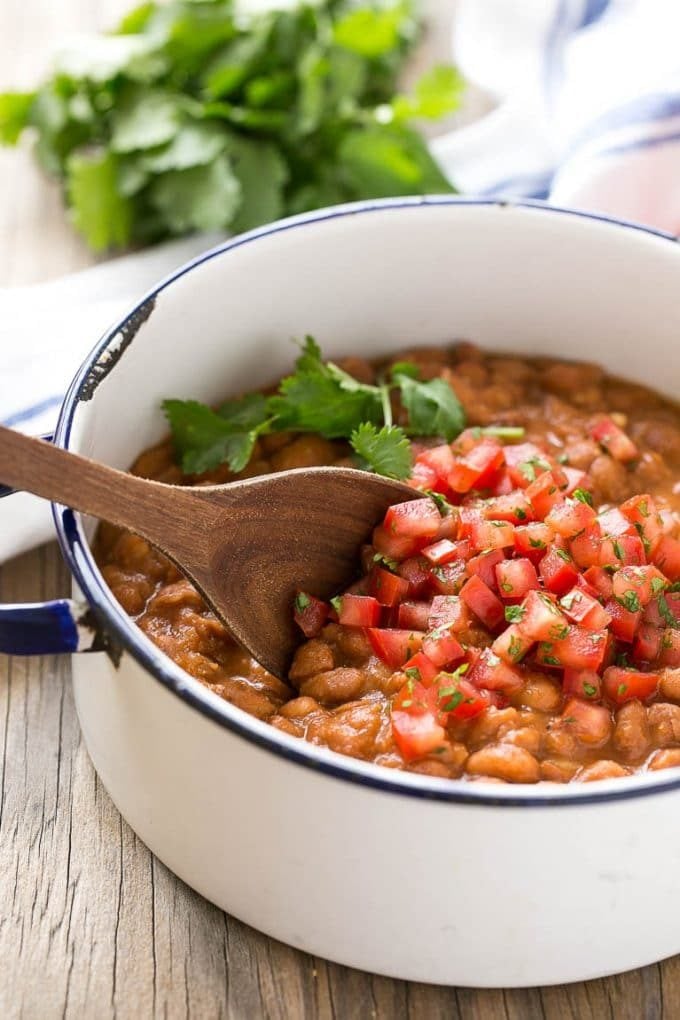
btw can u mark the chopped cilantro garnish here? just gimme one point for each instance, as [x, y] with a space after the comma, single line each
[618, 551]
[589, 690]
[513, 614]
[442, 503]
[536, 543]
[630, 601]
[336, 602]
[516, 649]
[563, 554]
[503, 431]
[302, 601]
[621, 689]
[520, 514]
[506, 587]
[583, 496]
[413, 673]
[658, 584]
[666, 613]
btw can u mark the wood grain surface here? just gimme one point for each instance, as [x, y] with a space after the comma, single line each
[91, 925]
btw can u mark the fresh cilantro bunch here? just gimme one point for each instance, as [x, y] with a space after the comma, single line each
[191, 116]
[319, 397]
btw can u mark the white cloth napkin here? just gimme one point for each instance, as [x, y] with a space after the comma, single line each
[587, 115]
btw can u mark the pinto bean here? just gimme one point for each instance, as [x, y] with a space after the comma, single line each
[336, 685]
[667, 759]
[664, 724]
[504, 761]
[298, 708]
[315, 656]
[603, 769]
[488, 725]
[559, 770]
[527, 737]
[631, 731]
[539, 693]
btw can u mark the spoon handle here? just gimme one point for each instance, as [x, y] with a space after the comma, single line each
[36, 466]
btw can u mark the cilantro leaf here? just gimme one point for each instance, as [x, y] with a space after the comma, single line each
[386, 451]
[195, 144]
[383, 160]
[370, 33]
[433, 408]
[438, 92]
[15, 109]
[200, 198]
[99, 209]
[315, 402]
[144, 120]
[205, 439]
[262, 173]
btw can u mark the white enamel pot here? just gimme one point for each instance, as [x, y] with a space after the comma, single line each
[403, 875]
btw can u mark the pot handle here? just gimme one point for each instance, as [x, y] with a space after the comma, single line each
[45, 628]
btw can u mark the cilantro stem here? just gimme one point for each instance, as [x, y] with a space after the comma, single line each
[386, 404]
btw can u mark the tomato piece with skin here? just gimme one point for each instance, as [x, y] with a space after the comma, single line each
[358, 611]
[521, 460]
[425, 478]
[583, 608]
[442, 646]
[647, 643]
[532, 540]
[607, 433]
[310, 614]
[421, 669]
[585, 548]
[623, 551]
[412, 616]
[416, 735]
[544, 494]
[558, 571]
[484, 566]
[389, 589]
[582, 683]
[614, 523]
[666, 557]
[541, 618]
[598, 578]
[439, 460]
[643, 514]
[578, 649]
[492, 673]
[395, 547]
[512, 645]
[446, 609]
[514, 508]
[394, 646]
[448, 579]
[458, 698]
[669, 654]
[416, 570]
[476, 468]
[446, 551]
[492, 535]
[514, 578]
[570, 517]
[624, 622]
[636, 586]
[419, 518]
[482, 601]
[621, 685]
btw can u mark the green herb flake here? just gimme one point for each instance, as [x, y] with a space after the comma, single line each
[563, 554]
[621, 689]
[413, 673]
[589, 690]
[302, 601]
[658, 585]
[630, 601]
[514, 614]
[618, 551]
[583, 496]
[336, 602]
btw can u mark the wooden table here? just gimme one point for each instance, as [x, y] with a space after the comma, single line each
[91, 924]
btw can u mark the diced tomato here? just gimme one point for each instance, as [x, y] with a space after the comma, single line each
[459, 698]
[670, 647]
[502, 485]
[442, 646]
[570, 517]
[541, 619]
[482, 601]
[389, 589]
[558, 571]
[608, 434]
[578, 649]
[532, 540]
[475, 470]
[445, 551]
[447, 609]
[425, 478]
[585, 548]
[636, 586]
[469, 516]
[514, 508]
[418, 518]
[624, 622]
[575, 480]
[438, 459]
[395, 547]
[666, 556]
[590, 724]
[524, 461]
[583, 608]
[585, 586]
[417, 735]
[484, 565]
[582, 683]
[544, 494]
[449, 579]
[512, 645]
[642, 512]
[310, 614]
[613, 523]
[667, 520]
[515, 578]
[623, 685]
[416, 571]
[420, 668]
[448, 525]
[492, 534]
[394, 646]
[358, 611]
[490, 672]
[599, 579]
[647, 643]
[624, 551]
[411, 616]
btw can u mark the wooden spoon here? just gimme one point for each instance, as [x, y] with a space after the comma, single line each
[246, 546]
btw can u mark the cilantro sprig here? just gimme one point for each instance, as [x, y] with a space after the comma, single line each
[197, 115]
[319, 397]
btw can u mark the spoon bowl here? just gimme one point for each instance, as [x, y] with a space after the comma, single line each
[247, 546]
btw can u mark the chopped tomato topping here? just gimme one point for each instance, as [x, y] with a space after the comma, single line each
[615, 441]
[541, 618]
[358, 611]
[482, 601]
[412, 616]
[558, 571]
[419, 518]
[394, 646]
[448, 609]
[484, 565]
[310, 614]
[492, 673]
[623, 685]
[421, 669]
[512, 645]
[387, 588]
[582, 683]
[442, 646]
[667, 557]
[570, 517]
[515, 578]
[417, 735]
